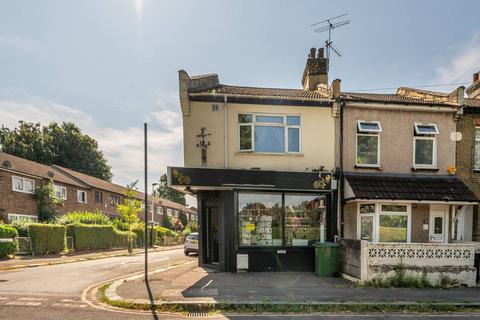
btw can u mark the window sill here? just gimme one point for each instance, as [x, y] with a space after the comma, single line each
[433, 169]
[378, 168]
[269, 154]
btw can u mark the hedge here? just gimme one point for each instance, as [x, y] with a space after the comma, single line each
[96, 237]
[7, 231]
[8, 248]
[91, 237]
[47, 238]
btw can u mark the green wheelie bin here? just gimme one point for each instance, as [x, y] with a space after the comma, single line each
[327, 259]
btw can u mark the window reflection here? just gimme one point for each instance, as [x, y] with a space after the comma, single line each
[305, 220]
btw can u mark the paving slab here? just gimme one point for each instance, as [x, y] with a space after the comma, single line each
[190, 283]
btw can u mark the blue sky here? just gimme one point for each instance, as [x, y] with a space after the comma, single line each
[110, 65]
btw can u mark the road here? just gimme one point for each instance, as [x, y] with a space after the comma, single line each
[54, 292]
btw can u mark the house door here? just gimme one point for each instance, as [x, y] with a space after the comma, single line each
[437, 226]
[212, 235]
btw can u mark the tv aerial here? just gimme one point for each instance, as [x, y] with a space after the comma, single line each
[329, 25]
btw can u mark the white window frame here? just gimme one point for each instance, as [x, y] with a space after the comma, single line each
[359, 220]
[23, 185]
[62, 192]
[160, 210]
[434, 151]
[284, 125]
[17, 215]
[169, 212]
[376, 218]
[363, 130]
[368, 165]
[417, 132]
[78, 196]
[475, 139]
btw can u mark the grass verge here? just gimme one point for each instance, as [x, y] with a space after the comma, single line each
[340, 307]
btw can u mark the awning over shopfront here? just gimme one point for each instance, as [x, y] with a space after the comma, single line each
[428, 188]
[216, 179]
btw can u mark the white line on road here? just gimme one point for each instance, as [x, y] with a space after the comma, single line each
[19, 303]
[3, 298]
[31, 299]
[69, 305]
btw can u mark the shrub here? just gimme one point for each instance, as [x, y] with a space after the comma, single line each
[183, 218]
[91, 237]
[8, 248]
[22, 227]
[47, 238]
[8, 231]
[167, 222]
[192, 225]
[119, 224]
[85, 217]
[140, 235]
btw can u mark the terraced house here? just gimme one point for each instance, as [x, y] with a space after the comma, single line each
[20, 177]
[276, 170]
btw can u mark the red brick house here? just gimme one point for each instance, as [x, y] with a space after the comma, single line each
[20, 177]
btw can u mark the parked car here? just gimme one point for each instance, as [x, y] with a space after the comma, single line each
[191, 243]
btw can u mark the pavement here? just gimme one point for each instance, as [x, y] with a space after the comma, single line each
[191, 284]
[36, 261]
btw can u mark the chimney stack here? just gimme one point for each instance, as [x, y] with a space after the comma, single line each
[315, 72]
[473, 91]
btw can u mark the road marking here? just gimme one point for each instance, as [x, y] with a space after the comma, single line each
[31, 299]
[18, 303]
[3, 298]
[71, 300]
[69, 305]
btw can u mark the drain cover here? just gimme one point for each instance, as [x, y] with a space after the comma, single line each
[197, 315]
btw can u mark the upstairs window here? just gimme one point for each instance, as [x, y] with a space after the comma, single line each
[269, 133]
[23, 185]
[61, 192]
[477, 149]
[160, 210]
[425, 146]
[116, 200]
[368, 143]
[81, 196]
[98, 197]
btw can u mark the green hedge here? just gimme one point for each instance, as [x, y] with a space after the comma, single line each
[140, 232]
[96, 237]
[121, 239]
[7, 231]
[22, 227]
[8, 248]
[47, 238]
[91, 237]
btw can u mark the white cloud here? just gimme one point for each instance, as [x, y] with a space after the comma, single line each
[465, 61]
[123, 148]
[17, 43]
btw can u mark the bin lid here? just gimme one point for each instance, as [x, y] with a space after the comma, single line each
[326, 244]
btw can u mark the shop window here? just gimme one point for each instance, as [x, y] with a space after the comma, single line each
[305, 219]
[368, 144]
[23, 185]
[61, 192]
[259, 217]
[269, 133]
[477, 149]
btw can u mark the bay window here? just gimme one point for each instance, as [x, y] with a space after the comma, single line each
[368, 143]
[425, 146]
[383, 222]
[269, 133]
[281, 219]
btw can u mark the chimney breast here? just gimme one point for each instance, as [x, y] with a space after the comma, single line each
[315, 72]
[473, 91]
[476, 77]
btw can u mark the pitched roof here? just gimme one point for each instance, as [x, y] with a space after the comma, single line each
[391, 98]
[267, 93]
[472, 102]
[377, 186]
[32, 168]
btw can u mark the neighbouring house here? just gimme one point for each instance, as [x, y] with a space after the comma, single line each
[260, 162]
[468, 147]
[19, 179]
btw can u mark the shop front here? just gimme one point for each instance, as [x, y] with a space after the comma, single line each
[257, 220]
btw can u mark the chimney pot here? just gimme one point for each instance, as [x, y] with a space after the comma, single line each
[312, 53]
[320, 53]
[476, 77]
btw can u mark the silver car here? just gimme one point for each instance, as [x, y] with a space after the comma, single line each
[191, 243]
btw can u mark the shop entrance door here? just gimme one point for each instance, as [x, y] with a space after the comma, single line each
[212, 247]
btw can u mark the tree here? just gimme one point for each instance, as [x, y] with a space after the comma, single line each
[47, 202]
[164, 191]
[128, 211]
[61, 144]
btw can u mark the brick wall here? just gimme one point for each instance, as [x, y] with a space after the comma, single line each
[13, 201]
[465, 163]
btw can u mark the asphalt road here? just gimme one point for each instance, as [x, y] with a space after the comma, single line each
[54, 292]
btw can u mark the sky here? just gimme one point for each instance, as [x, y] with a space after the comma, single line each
[111, 65]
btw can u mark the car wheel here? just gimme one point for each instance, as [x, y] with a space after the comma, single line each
[186, 252]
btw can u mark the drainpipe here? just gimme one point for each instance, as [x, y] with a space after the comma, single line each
[340, 187]
[225, 135]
